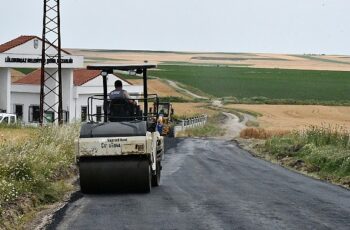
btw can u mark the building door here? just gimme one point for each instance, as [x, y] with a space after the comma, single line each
[65, 116]
[83, 113]
[19, 112]
[34, 113]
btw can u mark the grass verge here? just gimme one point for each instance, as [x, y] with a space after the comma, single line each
[33, 172]
[253, 131]
[323, 152]
[210, 129]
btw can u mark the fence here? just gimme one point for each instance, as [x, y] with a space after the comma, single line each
[190, 123]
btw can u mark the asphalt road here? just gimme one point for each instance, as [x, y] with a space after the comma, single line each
[212, 184]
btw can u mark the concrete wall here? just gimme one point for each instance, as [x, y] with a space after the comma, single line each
[25, 99]
[68, 92]
[5, 89]
[82, 101]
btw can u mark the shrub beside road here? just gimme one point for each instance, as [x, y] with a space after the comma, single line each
[34, 171]
[323, 152]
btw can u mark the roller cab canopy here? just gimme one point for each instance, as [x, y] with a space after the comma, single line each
[122, 67]
[138, 68]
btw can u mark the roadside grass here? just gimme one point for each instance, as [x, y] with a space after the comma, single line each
[253, 131]
[210, 129]
[320, 151]
[15, 133]
[33, 172]
[256, 85]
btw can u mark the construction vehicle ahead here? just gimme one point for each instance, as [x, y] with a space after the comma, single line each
[165, 121]
[124, 152]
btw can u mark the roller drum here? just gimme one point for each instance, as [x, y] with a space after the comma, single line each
[113, 174]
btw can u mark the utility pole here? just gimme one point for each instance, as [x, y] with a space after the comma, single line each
[51, 69]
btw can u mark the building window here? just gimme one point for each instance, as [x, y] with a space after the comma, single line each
[19, 111]
[98, 113]
[49, 116]
[65, 116]
[36, 43]
[83, 113]
[34, 113]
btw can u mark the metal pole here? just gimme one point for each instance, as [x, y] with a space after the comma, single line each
[145, 93]
[105, 109]
[60, 109]
[51, 80]
[41, 117]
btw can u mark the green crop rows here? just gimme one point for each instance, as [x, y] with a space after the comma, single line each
[253, 82]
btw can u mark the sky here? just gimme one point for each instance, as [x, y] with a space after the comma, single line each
[258, 26]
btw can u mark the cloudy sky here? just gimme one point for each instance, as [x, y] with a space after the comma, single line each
[273, 26]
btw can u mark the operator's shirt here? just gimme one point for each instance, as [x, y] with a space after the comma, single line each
[118, 94]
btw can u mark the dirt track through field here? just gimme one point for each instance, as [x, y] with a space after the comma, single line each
[160, 88]
[289, 117]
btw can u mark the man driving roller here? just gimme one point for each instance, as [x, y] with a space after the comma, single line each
[118, 92]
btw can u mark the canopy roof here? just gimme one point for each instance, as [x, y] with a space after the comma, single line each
[122, 67]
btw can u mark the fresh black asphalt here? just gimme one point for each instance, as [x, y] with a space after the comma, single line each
[213, 184]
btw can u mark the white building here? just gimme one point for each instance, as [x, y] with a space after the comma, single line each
[23, 96]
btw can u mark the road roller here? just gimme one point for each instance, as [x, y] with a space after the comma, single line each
[123, 152]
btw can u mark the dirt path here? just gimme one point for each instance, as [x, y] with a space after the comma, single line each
[176, 86]
[232, 124]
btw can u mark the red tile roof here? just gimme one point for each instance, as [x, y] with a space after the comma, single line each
[15, 42]
[81, 76]
[32, 79]
[19, 41]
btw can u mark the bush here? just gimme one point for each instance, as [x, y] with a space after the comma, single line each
[321, 136]
[208, 130]
[323, 150]
[36, 167]
[328, 160]
[260, 133]
[281, 147]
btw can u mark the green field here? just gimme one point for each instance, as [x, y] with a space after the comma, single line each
[275, 84]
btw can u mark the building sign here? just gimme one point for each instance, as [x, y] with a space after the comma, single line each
[38, 60]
